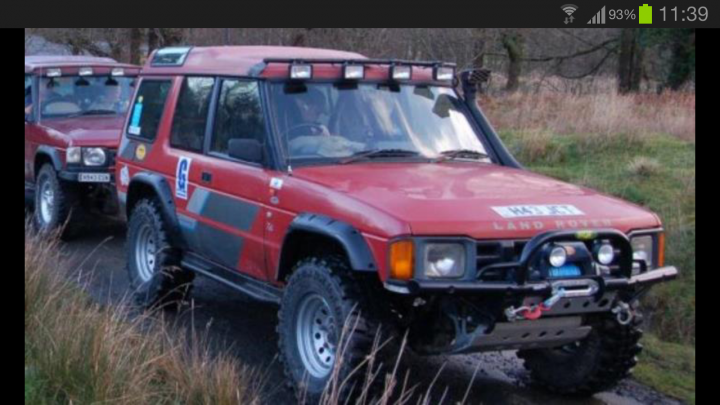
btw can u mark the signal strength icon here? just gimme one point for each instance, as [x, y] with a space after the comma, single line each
[599, 18]
[569, 9]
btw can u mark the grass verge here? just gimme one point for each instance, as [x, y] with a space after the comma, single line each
[669, 368]
[77, 352]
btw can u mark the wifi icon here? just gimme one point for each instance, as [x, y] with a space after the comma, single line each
[569, 9]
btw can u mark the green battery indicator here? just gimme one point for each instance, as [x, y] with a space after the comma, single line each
[645, 14]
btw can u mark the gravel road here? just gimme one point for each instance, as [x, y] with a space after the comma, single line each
[247, 330]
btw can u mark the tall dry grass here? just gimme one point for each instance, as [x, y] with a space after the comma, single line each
[82, 353]
[601, 114]
[79, 352]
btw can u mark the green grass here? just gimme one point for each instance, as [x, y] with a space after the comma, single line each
[668, 367]
[657, 172]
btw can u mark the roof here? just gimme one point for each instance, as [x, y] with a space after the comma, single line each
[242, 60]
[42, 62]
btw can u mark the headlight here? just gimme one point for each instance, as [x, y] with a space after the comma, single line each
[74, 155]
[446, 260]
[558, 256]
[94, 157]
[605, 254]
[643, 249]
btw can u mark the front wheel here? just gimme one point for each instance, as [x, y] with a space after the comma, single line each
[54, 204]
[592, 365]
[153, 266]
[324, 332]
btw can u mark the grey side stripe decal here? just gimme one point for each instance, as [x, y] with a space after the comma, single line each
[219, 246]
[225, 210]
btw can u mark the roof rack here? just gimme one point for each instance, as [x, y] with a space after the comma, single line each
[390, 62]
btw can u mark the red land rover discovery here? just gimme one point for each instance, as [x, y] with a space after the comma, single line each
[358, 192]
[74, 112]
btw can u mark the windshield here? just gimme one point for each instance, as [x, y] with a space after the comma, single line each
[64, 97]
[325, 122]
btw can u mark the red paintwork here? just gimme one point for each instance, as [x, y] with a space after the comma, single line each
[383, 201]
[86, 131]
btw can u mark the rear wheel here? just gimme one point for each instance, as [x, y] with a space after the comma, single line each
[153, 265]
[320, 303]
[592, 365]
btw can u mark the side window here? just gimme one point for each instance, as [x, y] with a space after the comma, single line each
[239, 115]
[191, 114]
[147, 111]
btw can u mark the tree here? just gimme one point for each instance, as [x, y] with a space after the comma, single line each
[513, 40]
[682, 62]
[630, 60]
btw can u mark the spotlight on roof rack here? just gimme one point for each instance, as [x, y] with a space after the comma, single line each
[86, 71]
[354, 72]
[54, 73]
[301, 72]
[401, 72]
[117, 72]
[444, 73]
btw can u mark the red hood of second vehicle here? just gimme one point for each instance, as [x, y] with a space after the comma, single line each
[89, 131]
[458, 198]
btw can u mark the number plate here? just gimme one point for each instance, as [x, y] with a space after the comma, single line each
[94, 178]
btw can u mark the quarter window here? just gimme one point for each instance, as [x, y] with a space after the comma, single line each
[191, 114]
[147, 112]
[239, 115]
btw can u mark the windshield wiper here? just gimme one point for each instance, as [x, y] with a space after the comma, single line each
[378, 153]
[463, 154]
[95, 112]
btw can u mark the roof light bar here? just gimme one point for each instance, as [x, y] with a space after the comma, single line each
[301, 72]
[117, 72]
[86, 71]
[401, 72]
[444, 73]
[54, 73]
[354, 72]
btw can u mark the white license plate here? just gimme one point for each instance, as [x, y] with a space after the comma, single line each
[94, 178]
[524, 211]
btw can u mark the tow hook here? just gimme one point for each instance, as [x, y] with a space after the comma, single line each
[624, 313]
[534, 312]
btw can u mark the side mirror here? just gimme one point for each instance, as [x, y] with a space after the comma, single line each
[247, 150]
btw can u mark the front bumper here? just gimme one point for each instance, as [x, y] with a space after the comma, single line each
[415, 287]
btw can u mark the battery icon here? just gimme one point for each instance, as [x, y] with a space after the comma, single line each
[645, 14]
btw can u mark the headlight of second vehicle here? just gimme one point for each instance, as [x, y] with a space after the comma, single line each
[444, 260]
[94, 157]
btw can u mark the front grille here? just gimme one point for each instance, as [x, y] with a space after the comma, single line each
[495, 252]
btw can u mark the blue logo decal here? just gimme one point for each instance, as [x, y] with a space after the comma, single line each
[183, 178]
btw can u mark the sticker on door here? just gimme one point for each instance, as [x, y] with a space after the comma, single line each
[182, 178]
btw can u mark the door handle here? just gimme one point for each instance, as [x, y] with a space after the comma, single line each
[207, 177]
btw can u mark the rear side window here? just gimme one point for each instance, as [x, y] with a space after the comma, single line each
[239, 115]
[147, 111]
[191, 114]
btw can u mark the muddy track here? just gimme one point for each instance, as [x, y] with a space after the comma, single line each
[247, 330]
